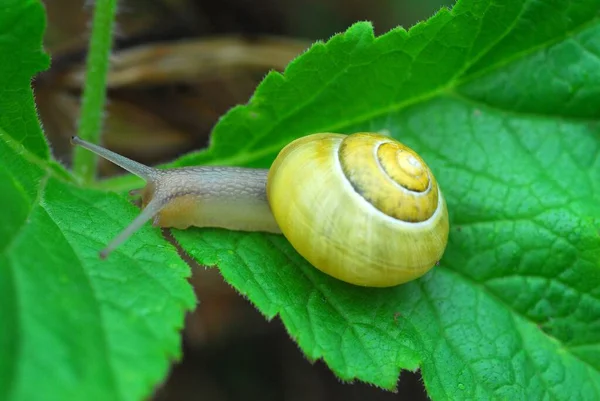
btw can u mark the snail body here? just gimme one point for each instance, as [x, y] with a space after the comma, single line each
[362, 208]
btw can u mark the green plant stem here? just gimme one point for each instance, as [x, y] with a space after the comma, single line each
[94, 92]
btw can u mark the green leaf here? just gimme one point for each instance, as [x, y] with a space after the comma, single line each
[107, 329]
[501, 99]
[72, 325]
[22, 23]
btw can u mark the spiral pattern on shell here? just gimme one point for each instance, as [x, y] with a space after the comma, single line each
[363, 208]
[390, 176]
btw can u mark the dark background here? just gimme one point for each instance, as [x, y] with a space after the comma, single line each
[230, 351]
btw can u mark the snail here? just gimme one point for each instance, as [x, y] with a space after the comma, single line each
[362, 208]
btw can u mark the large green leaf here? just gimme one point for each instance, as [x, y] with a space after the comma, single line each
[73, 326]
[502, 100]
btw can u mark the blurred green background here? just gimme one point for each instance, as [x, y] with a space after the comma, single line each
[178, 66]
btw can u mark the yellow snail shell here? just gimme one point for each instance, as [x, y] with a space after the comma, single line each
[362, 208]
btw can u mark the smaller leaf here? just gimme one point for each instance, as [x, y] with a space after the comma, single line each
[22, 23]
[105, 328]
[341, 323]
